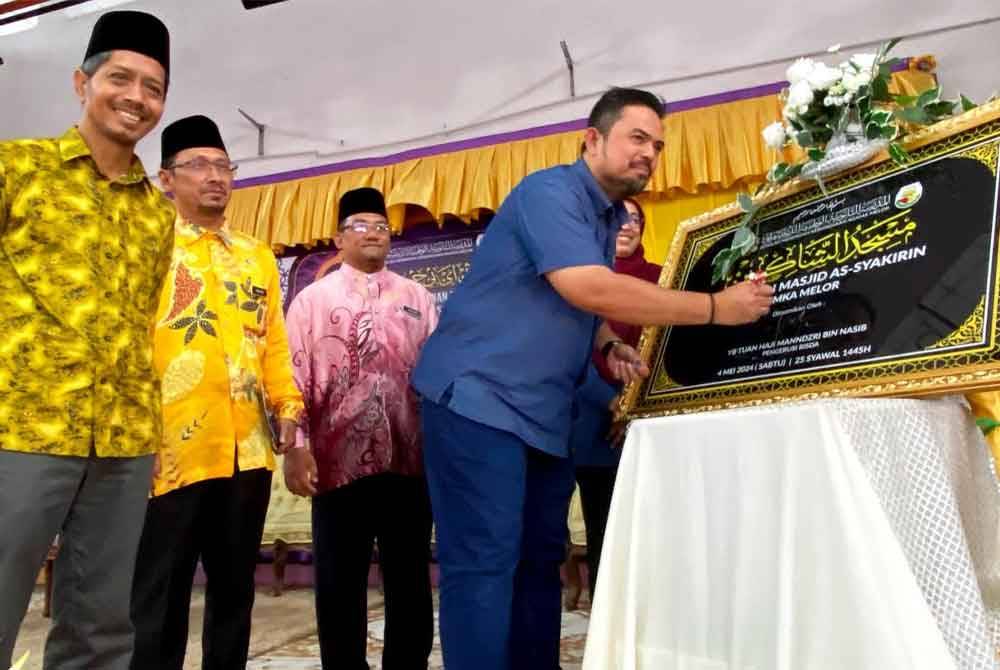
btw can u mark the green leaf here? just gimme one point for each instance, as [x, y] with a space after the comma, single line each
[873, 131]
[805, 139]
[746, 203]
[940, 109]
[864, 102]
[778, 173]
[904, 100]
[966, 103]
[816, 154]
[986, 424]
[890, 44]
[929, 96]
[898, 154]
[794, 171]
[880, 116]
[743, 241]
[880, 89]
[913, 115]
[891, 63]
[722, 264]
[890, 131]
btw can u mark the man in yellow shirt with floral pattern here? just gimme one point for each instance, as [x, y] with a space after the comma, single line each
[85, 242]
[222, 352]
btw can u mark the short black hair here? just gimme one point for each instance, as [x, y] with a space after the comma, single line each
[608, 109]
[93, 63]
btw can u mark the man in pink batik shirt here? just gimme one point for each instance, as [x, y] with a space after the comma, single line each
[355, 335]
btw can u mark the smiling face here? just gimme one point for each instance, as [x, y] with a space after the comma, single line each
[630, 234]
[123, 100]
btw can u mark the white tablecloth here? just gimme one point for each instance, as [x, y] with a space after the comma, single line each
[842, 534]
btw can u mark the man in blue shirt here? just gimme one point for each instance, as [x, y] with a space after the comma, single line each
[498, 378]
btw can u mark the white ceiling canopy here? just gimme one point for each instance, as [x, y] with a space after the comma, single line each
[336, 80]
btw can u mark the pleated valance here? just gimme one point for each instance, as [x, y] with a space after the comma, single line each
[713, 144]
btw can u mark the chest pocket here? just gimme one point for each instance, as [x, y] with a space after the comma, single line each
[246, 290]
[252, 305]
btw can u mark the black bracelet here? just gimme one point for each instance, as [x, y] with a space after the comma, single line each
[608, 346]
[711, 309]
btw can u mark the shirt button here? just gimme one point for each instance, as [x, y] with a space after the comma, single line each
[108, 294]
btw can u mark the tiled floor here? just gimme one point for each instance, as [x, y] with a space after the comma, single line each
[284, 634]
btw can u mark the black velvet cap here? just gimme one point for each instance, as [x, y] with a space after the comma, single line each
[188, 133]
[131, 31]
[365, 200]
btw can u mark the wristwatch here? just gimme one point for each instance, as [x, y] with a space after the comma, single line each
[608, 346]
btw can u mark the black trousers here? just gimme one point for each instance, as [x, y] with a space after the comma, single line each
[219, 521]
[596, 486]
[393, 510]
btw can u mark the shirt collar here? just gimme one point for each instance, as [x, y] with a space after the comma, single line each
[73, 146]
[602, 204]
[351, 272]
[187, 232]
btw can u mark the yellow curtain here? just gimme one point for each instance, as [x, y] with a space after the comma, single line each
[664, 215]
[709, 151]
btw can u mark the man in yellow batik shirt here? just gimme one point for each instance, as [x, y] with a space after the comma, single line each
[222, 353]
[85, 243]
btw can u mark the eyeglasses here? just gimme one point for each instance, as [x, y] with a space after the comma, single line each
[202, 165]
[363, 227]
[635, 218]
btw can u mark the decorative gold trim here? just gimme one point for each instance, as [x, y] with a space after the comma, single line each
[986, 154]
[978, 133]
[970, 331]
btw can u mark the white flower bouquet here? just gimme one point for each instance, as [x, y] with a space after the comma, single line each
[840, 117]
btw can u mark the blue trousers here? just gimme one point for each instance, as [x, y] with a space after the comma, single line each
[499, 510]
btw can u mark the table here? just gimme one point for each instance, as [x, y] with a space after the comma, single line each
[849, 533]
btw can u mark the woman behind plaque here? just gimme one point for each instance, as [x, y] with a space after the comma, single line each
[594, 453]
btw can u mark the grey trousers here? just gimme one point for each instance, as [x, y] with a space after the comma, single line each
[97, 505]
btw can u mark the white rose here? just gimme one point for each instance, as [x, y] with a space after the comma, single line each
[800, 95]
[838, 89]
[864, 62]
[799, 70]
[855, 80]
[774, 135]
[824, 77]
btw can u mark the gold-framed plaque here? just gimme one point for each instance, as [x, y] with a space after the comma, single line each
[887, 285]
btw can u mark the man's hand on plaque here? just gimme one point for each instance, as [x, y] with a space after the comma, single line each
[625, 363]
[743, 303]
